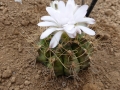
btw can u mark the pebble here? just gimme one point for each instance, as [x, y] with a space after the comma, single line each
[5, 10]
[90, 86]
[2, 88]
[25, 22]
[37, 76]
[106, 86]
[118, 13]
[6, 22]
[15, 32]
[14, 88]
[67, 88]
[39, 71]
[118, 79]
[20, 49]
[7, 74]
[9, 84]
[1, 4]
[109, 12]
[114, 74]
[33, 21]
[117, 54]
[11, 88]
[63, 84]
[1, 8]
[113, 8]
[99, 84]
[21, 86]
[27, 83]
[111, 63]
[105, 37]
[13, 79]
[111, 49]
[27, 78]
[17, 88]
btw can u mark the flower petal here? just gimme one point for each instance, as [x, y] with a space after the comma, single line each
[48, 18]
[47, 32]
[71, 35]
[55, 40]
[69, 28]
[86, 20]
[61, 6]
[69, 11]
[81, 12]
[53, 13]
[87, 30]
[46, 24]
[70, 2]
[78, 30]
[70, 8]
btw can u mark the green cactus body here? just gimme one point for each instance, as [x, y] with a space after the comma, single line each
[68, 58]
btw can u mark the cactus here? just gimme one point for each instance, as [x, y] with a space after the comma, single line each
[69, 57]
[73, 52]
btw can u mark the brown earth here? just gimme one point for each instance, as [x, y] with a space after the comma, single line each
[19, 34]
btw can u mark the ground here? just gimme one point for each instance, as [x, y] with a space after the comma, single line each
[19, 34]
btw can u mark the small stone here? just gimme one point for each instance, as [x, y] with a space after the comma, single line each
[111, 63]
[17, 88]
[32, 21]
[113, 8]
[111, 49]
[118, 79]
[27, 83]
[67, 88]
[27, 78]
[9, 84]
[63, 84]
[109, 12]
[1, 8]
[39, 71]
[37, 77]
[13, 79]
[2, 88]
[7, 74]
[11, 88]
[25, 22]
[114, 74]
[7, 22]
[46, 78]
[90, 86]
[5, 10]
[15, 32]
[14, 88]
[106, 86]
[100, 85]
[21, 86]
[117, 54]
[105, 37]
[20, 49]
[1, 3]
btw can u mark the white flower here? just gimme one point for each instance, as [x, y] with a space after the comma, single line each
[20, 1]
[69, 18]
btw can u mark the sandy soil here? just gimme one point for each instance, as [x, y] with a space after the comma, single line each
[19, 34]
